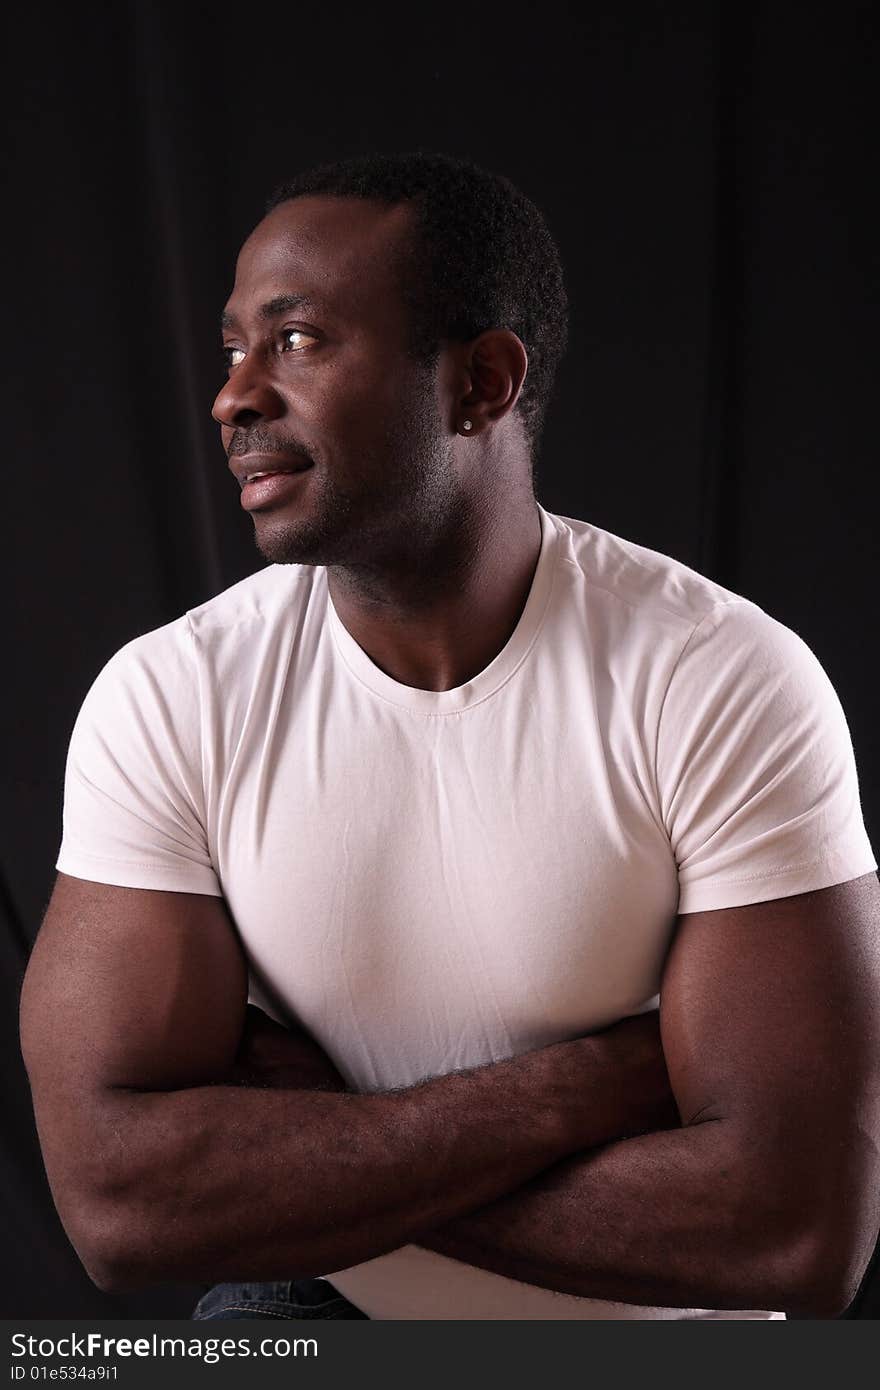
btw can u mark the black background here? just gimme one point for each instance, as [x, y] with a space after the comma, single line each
[708, 172]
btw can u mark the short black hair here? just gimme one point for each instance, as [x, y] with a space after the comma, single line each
[483, 258]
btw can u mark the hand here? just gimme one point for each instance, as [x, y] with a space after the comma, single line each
[285, 1058]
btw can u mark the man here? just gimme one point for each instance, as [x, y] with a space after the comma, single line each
[455, 788]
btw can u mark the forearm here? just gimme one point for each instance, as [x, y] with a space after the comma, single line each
[221, 1182]
[670, 1219]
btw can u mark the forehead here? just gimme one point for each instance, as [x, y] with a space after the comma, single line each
[341, 252]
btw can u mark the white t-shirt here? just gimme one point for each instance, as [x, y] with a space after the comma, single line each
[431, 881]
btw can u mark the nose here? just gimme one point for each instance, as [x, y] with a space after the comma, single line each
[247, 396]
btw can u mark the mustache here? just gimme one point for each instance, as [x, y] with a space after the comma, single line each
[259, 441]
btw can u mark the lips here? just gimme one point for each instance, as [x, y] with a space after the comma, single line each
[272, 490]
[245, 466]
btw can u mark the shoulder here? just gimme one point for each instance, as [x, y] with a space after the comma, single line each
[653, 588]
[230, 622]
[659, 597]
[259, 600]
[656, 621]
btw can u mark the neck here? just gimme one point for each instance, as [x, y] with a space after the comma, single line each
[437, 623]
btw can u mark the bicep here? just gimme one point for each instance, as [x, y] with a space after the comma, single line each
[770, 1018]
[130, 987]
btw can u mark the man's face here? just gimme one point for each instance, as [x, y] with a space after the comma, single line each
[320, 380]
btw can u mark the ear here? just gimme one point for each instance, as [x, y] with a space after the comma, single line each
[494, 368]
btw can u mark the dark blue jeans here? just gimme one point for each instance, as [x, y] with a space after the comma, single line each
[291, 1298]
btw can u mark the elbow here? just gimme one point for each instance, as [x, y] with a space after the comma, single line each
[115, 1278]
[112, 1216]
[823, 1293]
[825, 1275]
[806, 1224]
[110, 1264]
[116, 1263]
[106, 1272]
[818, 1265]
[115, 1246]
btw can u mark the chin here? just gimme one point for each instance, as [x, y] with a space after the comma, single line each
[284, 549]
[282, 541]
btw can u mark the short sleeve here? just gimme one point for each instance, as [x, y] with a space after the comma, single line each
[133, 798]
[756, 773]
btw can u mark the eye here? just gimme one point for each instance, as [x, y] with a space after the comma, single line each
[290, 339]
[232, 356]
[287, 334]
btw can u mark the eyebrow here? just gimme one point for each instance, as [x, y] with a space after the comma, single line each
[281, 304]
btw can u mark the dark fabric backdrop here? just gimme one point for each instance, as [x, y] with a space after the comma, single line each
[708, 171]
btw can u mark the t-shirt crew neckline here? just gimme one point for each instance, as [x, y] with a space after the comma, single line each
[493, 676]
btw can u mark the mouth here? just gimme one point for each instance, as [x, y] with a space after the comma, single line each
[262, 489]
[249, 468]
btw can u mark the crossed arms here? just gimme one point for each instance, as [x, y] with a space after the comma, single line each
[738, 1166]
